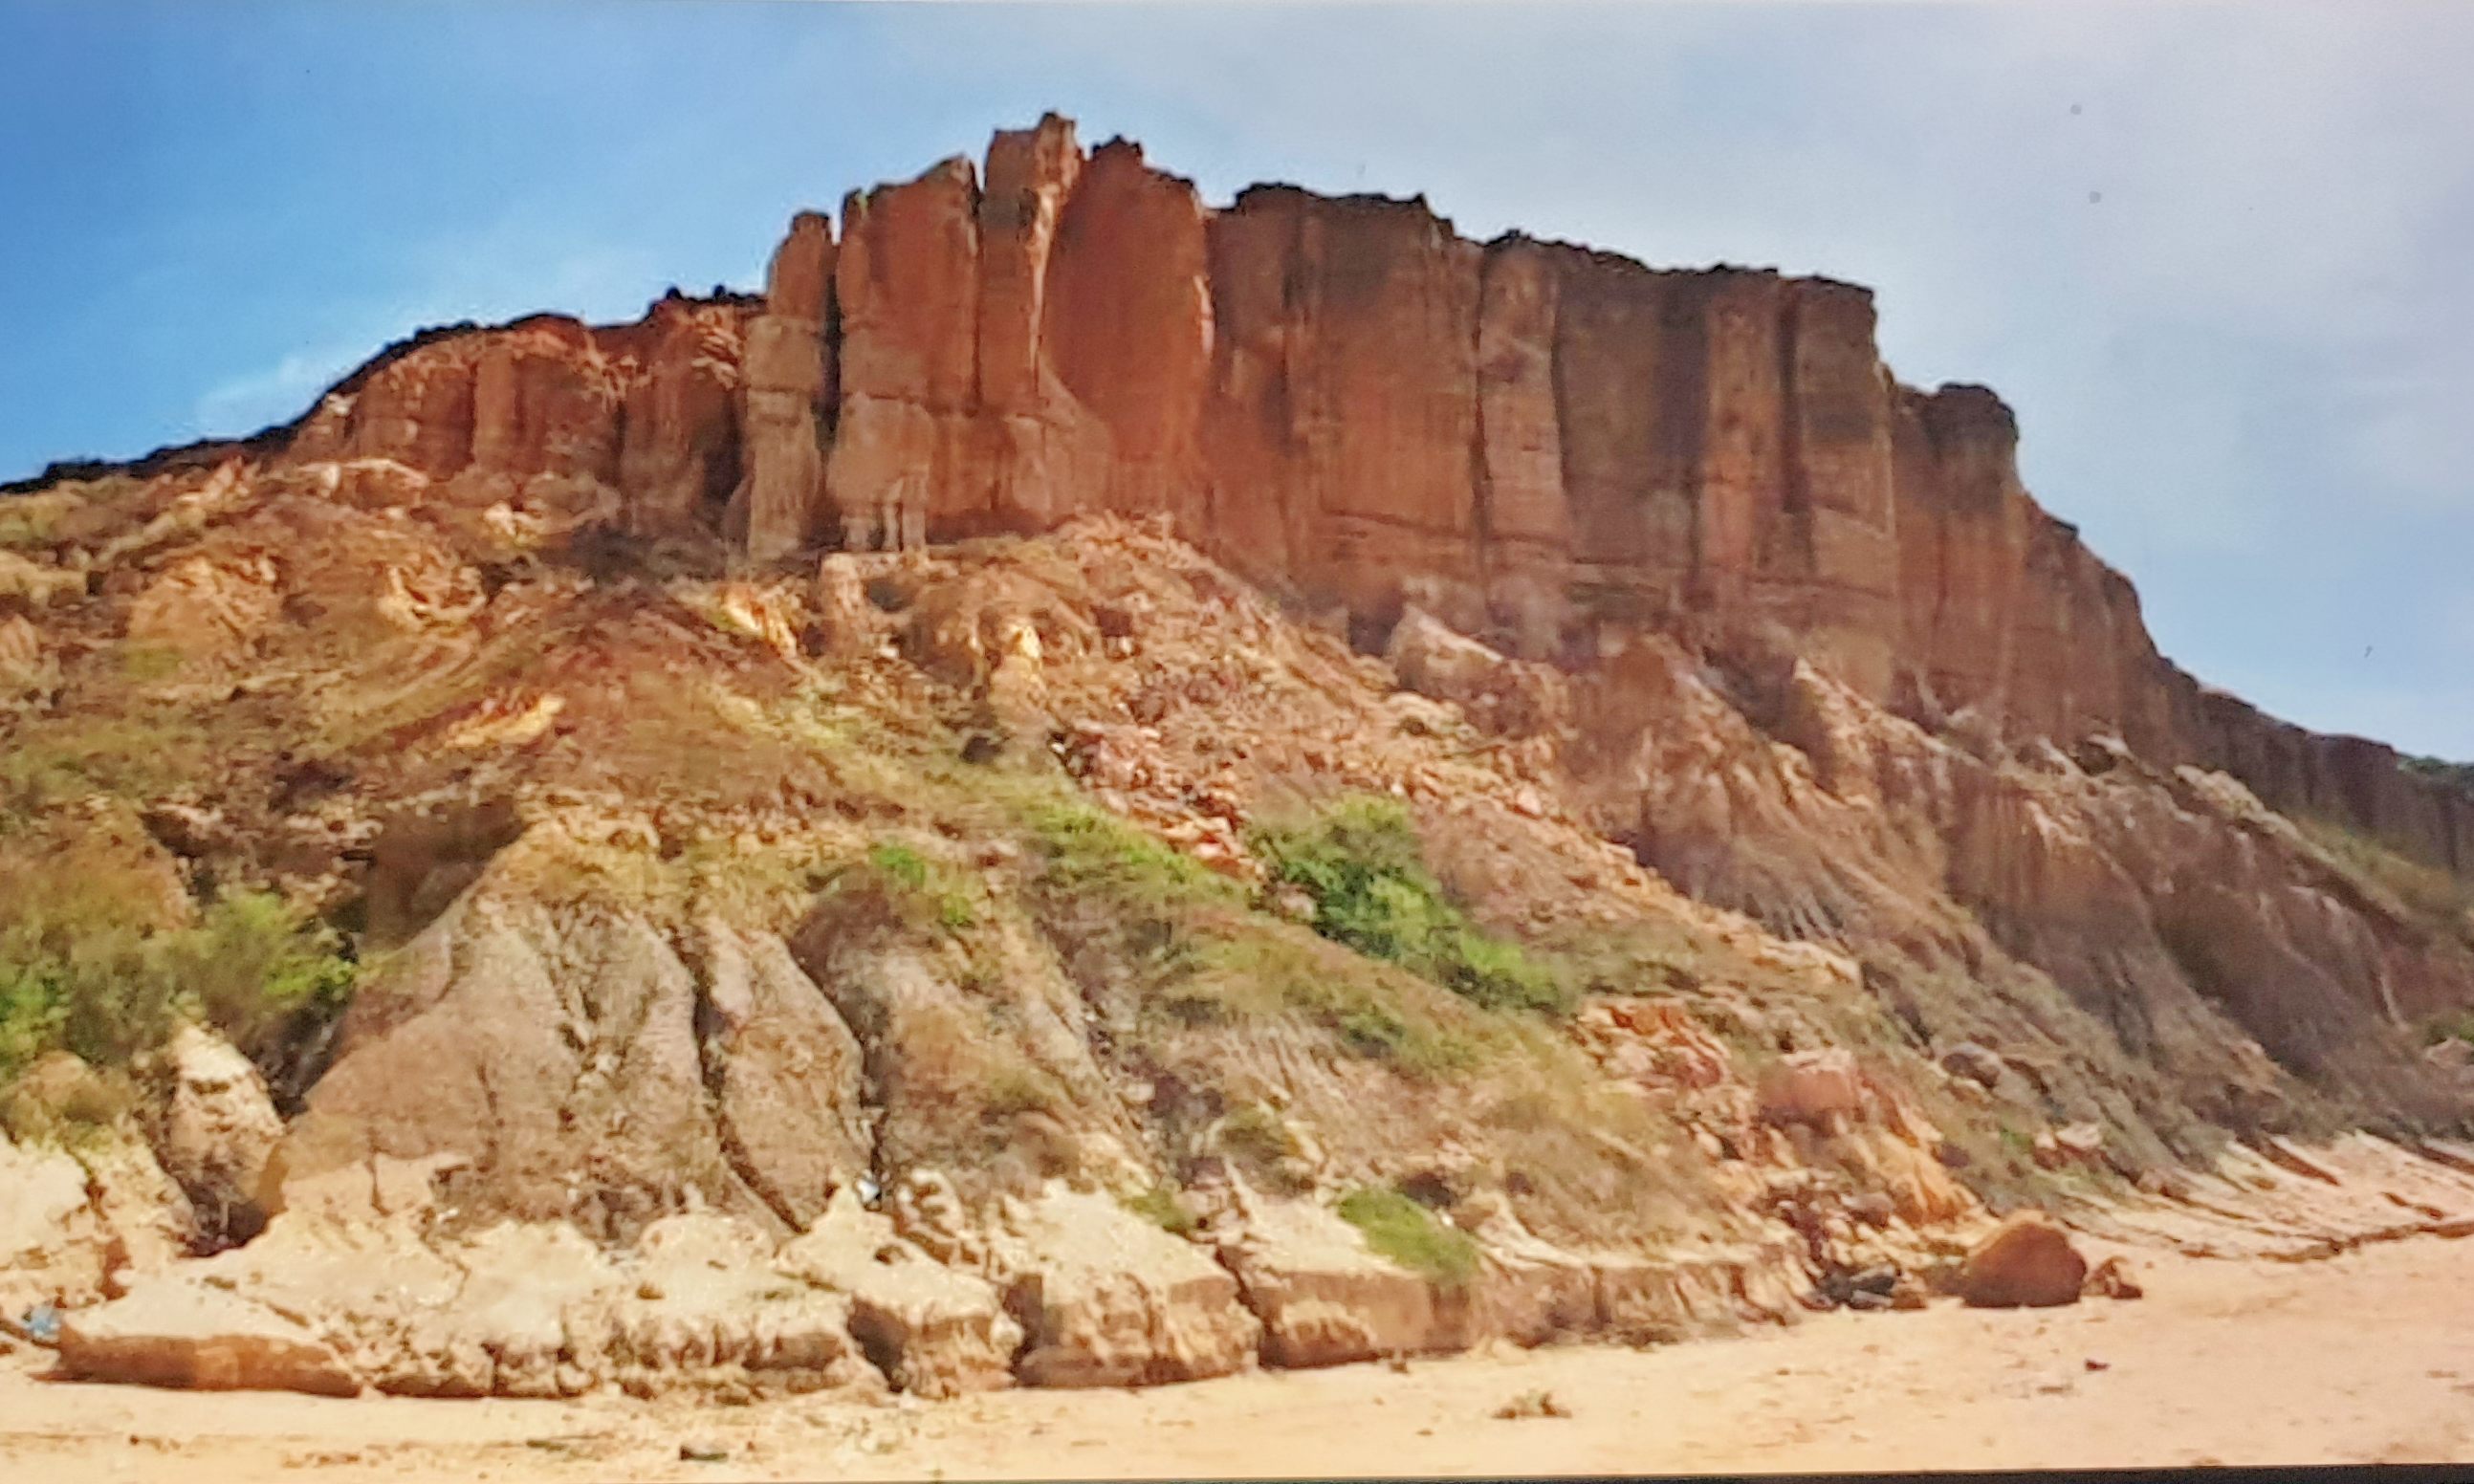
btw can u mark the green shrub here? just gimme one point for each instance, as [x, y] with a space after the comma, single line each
[1406, 1233]
[258, 973]
[901, 865]
[1361, 862]
[250, 967]
[30, 1013]
[1164, 1208]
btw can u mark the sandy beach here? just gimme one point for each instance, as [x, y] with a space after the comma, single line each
[2354, 1359]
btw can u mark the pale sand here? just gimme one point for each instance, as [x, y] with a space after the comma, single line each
[2361, 1359]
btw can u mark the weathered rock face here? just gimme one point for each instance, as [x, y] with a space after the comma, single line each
[904, 462]
[649, 411]
[934, 1330]
[55, 1247]
[711, 1066]
[681, 432]
[1107, 1299]
[331, 1307]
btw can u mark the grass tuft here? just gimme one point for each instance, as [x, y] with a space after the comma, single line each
[1165, 1207]
[1404, 1232]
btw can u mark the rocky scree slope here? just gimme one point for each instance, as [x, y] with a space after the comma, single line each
[1345, 791]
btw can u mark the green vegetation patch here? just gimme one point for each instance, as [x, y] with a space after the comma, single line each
[1404, 1232]
[142, 752]
[931, 888]
[914, 890]
[250, 967]
[1361, 864]
[1376, 1014]
[1164, 1207]
[1085, 850]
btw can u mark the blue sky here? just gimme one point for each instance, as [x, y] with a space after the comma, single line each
[2214, 255]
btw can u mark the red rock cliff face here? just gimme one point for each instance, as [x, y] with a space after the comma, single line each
[650, 412]
[1549, 446]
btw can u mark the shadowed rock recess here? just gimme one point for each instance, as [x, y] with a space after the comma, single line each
[1098, 790]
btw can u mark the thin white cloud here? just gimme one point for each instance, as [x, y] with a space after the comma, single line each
[501, 274]
[273, 394]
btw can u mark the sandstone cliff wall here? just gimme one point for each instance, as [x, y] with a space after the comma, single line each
[1550, 446]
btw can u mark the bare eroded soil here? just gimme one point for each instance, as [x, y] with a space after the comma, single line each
[2358, 1358]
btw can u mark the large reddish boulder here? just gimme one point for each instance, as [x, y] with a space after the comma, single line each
[2025, 1262]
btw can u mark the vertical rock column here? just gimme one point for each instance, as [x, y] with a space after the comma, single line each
[1843, 584]
[1128, 328]
[1345, 397]
[1628, 401]
[1743, 528]
[1526, 518]
[1962, 533]
[678, 456]
[787, 384]
[1047, 457]
[907, 452]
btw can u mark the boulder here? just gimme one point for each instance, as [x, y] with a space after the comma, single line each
[1325, 1299]
[216, 1131]
[2025, 1262]
[1107, 1299]
[169, 1331]
[706, 1307]
[934, 1330]
[1815, 1087]
[1434, 660]
[2113, 1279]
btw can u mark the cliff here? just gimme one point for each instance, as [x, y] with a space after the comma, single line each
[1281, 717]
[1546, 446]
